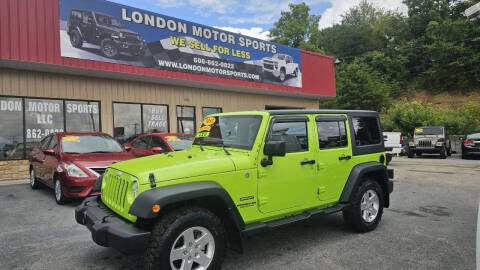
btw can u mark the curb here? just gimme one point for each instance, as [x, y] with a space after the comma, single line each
[14, 182]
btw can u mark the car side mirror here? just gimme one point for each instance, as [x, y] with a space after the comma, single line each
[49, 151]
[157, 149]
[127, 148]
[273, 149]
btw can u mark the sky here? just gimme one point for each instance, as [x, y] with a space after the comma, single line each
[251, 17]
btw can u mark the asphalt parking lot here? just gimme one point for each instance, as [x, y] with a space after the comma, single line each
[431, 225]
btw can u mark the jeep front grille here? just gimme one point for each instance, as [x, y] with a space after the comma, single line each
[132, 38]
[425, 143]
[115, 191]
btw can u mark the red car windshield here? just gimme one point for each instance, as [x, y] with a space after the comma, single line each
[179, 143]
[83, 144]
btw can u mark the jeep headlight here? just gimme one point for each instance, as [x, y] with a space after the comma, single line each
[439, 144]
[135, 189]
[412, 144]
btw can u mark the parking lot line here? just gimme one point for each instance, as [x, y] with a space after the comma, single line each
[478, 238]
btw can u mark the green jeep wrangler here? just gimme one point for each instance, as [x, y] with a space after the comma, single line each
[246, 171]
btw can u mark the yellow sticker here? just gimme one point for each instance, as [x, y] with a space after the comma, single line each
[419, 130]
[203, 135]
[205, 128]
[209, 121]
[172, 138]
[71, 139]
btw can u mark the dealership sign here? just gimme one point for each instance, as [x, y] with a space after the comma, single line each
[104, 31]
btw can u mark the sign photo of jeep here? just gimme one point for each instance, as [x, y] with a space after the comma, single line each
[108, 32]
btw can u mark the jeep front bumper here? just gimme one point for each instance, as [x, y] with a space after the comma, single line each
[108, 229]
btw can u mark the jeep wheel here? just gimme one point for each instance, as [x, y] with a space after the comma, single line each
[449, 152]
[366, 209]
[34, 184]
[109, 49]
[76, 39]
[60, 198]
[295, 73]
[187, 239]
[443, 153]
[283, 75]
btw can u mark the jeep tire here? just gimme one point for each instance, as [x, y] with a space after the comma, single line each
[190, 236]
[449, 151]
[76, 39]
[366, 209]
[108, 48]
[443, 153]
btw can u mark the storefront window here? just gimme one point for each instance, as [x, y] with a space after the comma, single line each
[11, 128]
[210, 110]
[42, 117]
[155, 118]
[186, 119]
[127, 121]
[82, 116]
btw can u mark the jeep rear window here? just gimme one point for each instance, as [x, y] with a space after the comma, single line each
[367, 131]
[229, 131]
[429, 131]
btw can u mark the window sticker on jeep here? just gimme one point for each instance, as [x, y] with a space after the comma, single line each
[418, 130]
[203, 134]
[209, 121]
[205, 128]
[71, 139]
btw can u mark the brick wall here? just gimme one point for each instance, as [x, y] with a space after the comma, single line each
[14, 170]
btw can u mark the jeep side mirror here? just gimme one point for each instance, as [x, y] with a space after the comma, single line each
[271, 149]
[127, 148]
[460, 139]
[157, 149]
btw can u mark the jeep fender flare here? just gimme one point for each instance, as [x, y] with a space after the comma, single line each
[379, 173]
[170, 195]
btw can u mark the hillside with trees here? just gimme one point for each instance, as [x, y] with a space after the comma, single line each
[386, 59]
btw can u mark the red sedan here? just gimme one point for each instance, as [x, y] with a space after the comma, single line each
[156, 143]
[70, 163]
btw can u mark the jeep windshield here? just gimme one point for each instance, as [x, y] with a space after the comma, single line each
[108, 21]
[84, 144]
[429, 131]
[279, 56]
[234, 131]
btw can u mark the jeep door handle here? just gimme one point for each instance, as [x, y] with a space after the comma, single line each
[307, 162]
[344, 157]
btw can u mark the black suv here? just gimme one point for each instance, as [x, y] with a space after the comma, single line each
[105, 31]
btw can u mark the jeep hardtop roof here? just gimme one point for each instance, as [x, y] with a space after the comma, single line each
[348, 112]
[94, 12]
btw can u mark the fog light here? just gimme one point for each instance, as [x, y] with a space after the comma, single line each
[439, 144]
[156, 208]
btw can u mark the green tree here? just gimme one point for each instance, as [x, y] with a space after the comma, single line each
[296, 27]
[359, 88]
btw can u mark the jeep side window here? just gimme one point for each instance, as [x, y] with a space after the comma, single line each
[332, 134]
[76, 15]
[289, 59]
[293, 133]
[367, 131]
[87, 17]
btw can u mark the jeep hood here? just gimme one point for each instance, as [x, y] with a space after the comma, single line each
[117, 29]
[178, 165]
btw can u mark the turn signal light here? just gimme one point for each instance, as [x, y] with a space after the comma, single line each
[469, 143]
[156, 208]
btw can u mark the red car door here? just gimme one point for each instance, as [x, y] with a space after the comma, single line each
[50, 163]
[140, 147]
[37, 157]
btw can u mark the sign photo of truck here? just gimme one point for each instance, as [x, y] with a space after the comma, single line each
[280, 66]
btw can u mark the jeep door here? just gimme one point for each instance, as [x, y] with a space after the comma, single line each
[87, 26]
[289, 181]
[334, 155]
